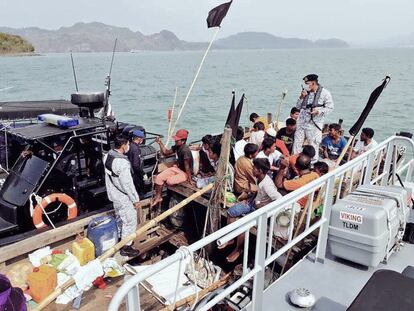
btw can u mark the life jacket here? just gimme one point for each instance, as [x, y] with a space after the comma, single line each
[112, 155]
[315, 100]
[314, 104]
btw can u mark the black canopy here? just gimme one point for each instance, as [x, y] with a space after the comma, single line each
[18, 110]
[43, 130]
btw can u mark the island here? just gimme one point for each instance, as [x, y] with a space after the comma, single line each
[14, 45]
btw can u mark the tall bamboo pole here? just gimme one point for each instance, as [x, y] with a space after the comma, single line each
[218, 195]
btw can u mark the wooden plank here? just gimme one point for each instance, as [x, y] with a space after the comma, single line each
[48, 237]
[186, 190]
[163, 236]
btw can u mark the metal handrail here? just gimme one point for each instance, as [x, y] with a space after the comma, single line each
[260, 217]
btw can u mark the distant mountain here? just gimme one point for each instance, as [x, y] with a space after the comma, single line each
[12, 44]
[263, 40]
[99, 37]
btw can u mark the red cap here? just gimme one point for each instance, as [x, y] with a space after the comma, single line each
[181, 134]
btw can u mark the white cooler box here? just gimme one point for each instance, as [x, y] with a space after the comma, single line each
[366, 224]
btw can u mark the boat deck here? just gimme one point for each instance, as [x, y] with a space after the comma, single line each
[339, 281]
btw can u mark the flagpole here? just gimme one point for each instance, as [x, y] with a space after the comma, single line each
[284, 93]
[194, 81]
[171, 116]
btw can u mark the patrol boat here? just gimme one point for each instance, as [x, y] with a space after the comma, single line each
[51, 154]
[360, 261]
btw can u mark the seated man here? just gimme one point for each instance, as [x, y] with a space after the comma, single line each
[244, 180]
[178, 173]
[266, 193]
[334, 143]
[366, 143]
[307, 150]
[258, 133]
[294, 114]
[321, 168]
[205, 162]
[254, 118]
[214, 155]
[270, 153]
[306, 175]
[287, 134]
[203, 179]
[280, 145]
[238, 149]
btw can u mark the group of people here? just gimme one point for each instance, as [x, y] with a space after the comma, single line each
[273, 163]
[267, 165]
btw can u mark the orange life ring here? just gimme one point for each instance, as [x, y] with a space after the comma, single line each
[61, 197]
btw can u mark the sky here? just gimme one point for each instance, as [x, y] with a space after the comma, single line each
[356, 21]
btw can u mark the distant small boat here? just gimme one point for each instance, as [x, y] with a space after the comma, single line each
[135, 51]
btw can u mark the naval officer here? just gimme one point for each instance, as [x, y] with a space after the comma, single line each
[121, 191]
[315, 102]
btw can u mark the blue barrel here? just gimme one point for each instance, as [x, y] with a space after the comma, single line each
[103, 232]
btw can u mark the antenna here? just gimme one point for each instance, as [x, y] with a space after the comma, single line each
[113, 54]
[74, 72]
[108, 81]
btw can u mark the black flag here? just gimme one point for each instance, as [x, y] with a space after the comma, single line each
[371, 101]
[233, 117]
[216, 15]
[232, 108]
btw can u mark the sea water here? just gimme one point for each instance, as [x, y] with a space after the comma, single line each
[143, 84]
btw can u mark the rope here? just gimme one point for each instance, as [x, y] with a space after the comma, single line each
[55, 210]
[38, 200]
[185, 252]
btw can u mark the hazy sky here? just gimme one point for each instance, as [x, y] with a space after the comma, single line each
[356, 21]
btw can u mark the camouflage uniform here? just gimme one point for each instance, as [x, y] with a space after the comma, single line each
[306, 128]
[121, 191]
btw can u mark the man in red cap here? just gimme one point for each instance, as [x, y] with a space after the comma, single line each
[178, 173]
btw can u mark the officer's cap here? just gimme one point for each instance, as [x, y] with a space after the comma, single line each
[310, 77]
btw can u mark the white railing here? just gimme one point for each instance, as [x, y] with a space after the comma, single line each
[373, 167]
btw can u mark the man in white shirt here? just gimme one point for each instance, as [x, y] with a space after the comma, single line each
[315, 102]
[267, 193]
[257, 136]
[366, 142]
[270, 153]
[238, 148]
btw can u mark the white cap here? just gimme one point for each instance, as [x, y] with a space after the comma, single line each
[271, 131]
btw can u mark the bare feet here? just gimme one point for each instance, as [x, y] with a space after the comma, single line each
[223, 246]
[233, 256]
[156, 201]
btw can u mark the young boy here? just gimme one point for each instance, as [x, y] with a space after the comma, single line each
[287, 134]
[294, 113]
[257, 136]
[334, 143]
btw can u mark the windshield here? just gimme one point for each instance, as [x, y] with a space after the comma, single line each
[23, 179]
